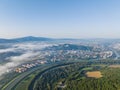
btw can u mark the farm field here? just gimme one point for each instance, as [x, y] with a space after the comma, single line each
[76, 75]
[114, 66]
[94, 74]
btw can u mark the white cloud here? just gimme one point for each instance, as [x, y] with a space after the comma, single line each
[29, 52]
[7, 50]
[7, 67]
[24, 57]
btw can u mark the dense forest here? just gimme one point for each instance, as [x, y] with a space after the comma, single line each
[73, 77]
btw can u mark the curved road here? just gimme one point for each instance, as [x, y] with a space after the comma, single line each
[31, 86]
[21, 76]
[13, 83]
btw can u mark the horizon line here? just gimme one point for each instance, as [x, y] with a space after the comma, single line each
[59, 38]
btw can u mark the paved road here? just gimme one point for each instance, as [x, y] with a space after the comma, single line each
[31, 86]
[13, 83]
[20, 77]
[116, 53]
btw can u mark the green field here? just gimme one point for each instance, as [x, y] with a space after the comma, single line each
[72, 76]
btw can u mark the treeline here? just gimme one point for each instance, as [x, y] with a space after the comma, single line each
[109, 81]
[73, 77]
[48, 80]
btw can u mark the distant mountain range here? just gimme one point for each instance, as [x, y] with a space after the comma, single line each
[25, 39]
[31, 38]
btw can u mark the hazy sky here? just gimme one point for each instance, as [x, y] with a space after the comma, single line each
[60, 18]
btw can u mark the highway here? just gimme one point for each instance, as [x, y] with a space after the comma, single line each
[21, 76]
[16, 80]
[116, 53]
[31, 86]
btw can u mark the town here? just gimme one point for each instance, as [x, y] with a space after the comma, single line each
[25, 67]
